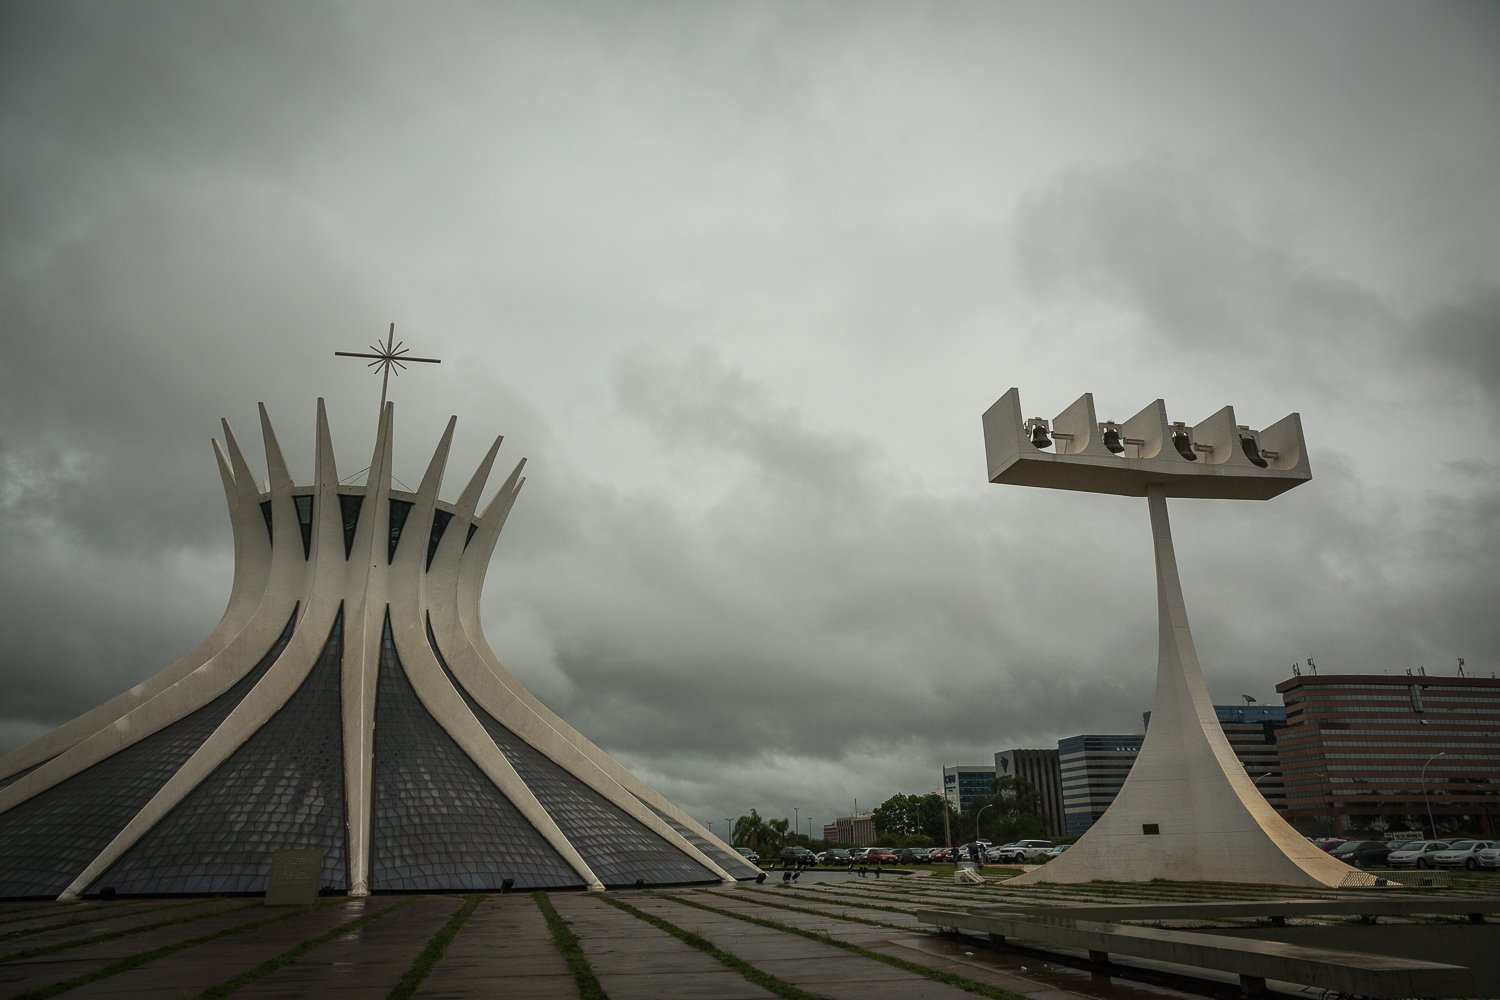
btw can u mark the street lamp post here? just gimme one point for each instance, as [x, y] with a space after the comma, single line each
[797, 821]
[947, 832]
[976, 818]
[1431, 826]
[729, 826]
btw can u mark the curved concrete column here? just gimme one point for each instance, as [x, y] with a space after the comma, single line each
[365, 589]
[1187, 810]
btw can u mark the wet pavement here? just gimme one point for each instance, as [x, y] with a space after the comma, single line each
[801, 934]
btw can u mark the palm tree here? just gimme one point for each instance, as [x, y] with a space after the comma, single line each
[750, 831]
[780, 827]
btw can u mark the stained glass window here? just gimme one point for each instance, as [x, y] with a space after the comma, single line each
[283, 788]
[439, 824]
[616, 846]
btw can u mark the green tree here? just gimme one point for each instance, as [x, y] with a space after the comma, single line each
[916, 818]
[751, 831]
[780, 827]
[1013, 811]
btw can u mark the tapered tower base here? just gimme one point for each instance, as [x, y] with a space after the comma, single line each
[1187, 811]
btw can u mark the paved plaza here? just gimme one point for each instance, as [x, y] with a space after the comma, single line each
[836, 938]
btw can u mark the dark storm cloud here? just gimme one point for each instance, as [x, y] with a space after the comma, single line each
[1382, 558]
[820, 606]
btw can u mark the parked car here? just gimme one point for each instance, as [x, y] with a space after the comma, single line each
[1362, 853]
[1417, 854]
[912, 856]
[749, 855]
[834, 856]
[1488, 858]
[1055, 851]
[973, 849]
[1024, 851]
[940, 855]
[1330, 844]
[879, 856]
[1461, 854]
[797, 856]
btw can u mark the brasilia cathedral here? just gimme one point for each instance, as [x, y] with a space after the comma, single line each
[347, 702]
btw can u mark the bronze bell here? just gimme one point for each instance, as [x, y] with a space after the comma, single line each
[1112, 440]
[1252, 452]
[1184, 445]
[1039, 436]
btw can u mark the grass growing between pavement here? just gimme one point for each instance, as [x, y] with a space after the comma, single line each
[146, 957]
[49, 949]
[291, 955]
[92, 917]
[566, 943]
[948, 978]
[765, 980]
[407, 985]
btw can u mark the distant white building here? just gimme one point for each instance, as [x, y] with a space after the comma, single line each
[963, 783]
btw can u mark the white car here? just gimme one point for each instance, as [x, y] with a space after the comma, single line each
[1417, 854]
[1029, 851]
[1461, 853]
[993, 854]
[1488, 858]
[748, 855]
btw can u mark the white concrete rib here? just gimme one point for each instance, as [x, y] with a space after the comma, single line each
[365, 584]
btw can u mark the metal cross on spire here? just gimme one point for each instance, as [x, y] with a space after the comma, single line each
[391, 356]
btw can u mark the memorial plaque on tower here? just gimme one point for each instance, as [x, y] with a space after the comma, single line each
[294, 877]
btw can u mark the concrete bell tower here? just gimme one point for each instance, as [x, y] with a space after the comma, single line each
[1187, 811]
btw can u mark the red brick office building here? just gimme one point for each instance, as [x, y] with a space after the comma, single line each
[1365, 753]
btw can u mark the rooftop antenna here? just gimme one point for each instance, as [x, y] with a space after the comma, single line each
[1297, 669]
[1460, 666]
[1312, 666]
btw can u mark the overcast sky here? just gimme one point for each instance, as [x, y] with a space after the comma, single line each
[739, 279]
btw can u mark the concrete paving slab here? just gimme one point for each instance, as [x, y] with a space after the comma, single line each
[370, 959]
[504, 947]
[33, 973]
[805, 962]
[636, 961]
[192, 970]
[115, 919]
[57, 913]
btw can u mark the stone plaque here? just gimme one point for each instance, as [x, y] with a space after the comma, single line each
[294, 877]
